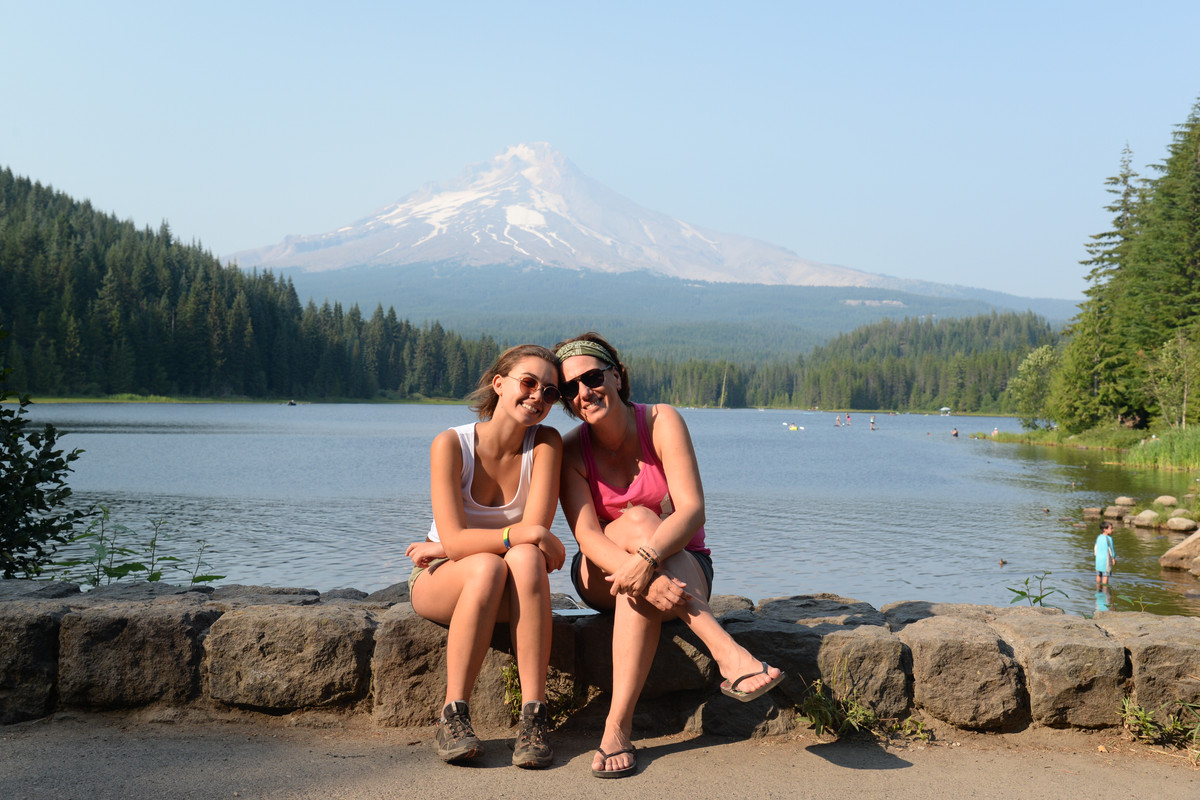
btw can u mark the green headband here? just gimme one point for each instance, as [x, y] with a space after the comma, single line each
[585, 347]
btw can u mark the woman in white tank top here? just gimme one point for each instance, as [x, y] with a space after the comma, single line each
[494, 486]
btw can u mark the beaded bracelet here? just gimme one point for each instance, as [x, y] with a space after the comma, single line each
[649, 559]
[507, 543]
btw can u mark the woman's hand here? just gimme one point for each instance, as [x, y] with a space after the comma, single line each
[550, 545]
[422, 553]
[632, 578]
[667, 592]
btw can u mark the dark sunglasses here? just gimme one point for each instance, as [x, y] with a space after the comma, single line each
[550, 392]
[592, 379]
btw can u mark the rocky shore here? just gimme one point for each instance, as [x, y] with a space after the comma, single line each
[286, 651]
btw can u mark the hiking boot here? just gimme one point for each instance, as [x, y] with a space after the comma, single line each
[456, 739]
[531, 750]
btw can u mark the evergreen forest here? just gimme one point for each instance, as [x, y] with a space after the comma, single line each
[96, 307]
[1131, 356]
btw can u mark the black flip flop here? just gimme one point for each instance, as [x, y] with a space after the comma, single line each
[730, 689]
[616, 773]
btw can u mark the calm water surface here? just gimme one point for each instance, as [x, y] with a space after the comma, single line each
[329, 496]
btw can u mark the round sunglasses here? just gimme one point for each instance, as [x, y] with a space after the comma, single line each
[592, 379]
[550, 393]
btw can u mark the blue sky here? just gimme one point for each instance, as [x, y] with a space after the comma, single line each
[953, 142]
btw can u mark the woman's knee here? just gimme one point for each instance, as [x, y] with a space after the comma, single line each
[634, 527]
[525, 560]
[484, 571]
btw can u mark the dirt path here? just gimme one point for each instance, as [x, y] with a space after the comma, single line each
[96, 757]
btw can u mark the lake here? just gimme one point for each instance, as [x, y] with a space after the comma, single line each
[328, 496]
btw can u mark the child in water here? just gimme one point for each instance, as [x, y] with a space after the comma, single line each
[1106, 554]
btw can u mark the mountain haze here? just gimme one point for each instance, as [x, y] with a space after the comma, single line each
[530, 204]
[543, 249]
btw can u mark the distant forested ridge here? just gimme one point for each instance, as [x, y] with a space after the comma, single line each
[913, 364]
[1132, 353]
[96, 306]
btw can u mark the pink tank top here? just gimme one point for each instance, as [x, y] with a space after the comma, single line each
[648, 489]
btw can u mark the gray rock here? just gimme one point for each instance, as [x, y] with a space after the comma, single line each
[869, 663]
[1181, 555]
[1164, 653]
[408, 671]
[29, 633]
[821, 609]
[343, 594]
[1181, 524]
[722, 604]
[1092, 512]
[1114, 512]
[236, 596]
[396, 593]
[19, 589]
[1125, 501]
[1165, 500]
[898, 615]
[1146, 519]
[1179, 512]
[282, 658]
[1074, 671]
[126, 655]
[964, 674]
[681, 662]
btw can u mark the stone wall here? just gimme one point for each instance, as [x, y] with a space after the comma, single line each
[284, 651]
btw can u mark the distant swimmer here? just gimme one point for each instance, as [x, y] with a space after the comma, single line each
[954, 433]
[995, 431]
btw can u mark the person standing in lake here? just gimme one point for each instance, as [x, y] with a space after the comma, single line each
[489, 552]
[632, 495]
[1106, 554]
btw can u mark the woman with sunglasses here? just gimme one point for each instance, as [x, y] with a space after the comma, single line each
[489, 553]
[631, 493]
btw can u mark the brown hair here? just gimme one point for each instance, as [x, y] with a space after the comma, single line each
[592, 336]
[484, 398]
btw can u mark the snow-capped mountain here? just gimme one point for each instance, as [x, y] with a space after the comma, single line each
[531, 205]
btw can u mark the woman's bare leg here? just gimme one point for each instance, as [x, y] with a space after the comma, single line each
[527, 611]
[465, 595]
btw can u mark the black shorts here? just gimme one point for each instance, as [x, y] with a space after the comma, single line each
[703, 560]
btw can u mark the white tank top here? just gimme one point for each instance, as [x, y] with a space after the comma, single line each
[480, 516]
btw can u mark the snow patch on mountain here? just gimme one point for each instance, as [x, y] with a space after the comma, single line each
[530, 203]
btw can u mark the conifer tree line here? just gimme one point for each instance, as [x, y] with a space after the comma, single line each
[902, 365]
[97, 307]
[1131, 353]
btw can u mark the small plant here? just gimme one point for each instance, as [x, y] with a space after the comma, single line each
[1036, 597]
[512, 689]
[1178, 728]
[1140, 601]
[838, 716]
[110, 561]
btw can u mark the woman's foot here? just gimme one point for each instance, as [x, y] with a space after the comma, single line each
[617, 745]
[748, 676]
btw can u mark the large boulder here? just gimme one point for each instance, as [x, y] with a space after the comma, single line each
[124, 655]
[964, 674]
[1166, 500]
[681, 662]
[1074, 672]
[408, 672]
[1146, 519]
[1164, 653]
[840, 641]
[1181, 555]
[906, 612]
[29, 632]
[280, 658]
[1181, 524]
